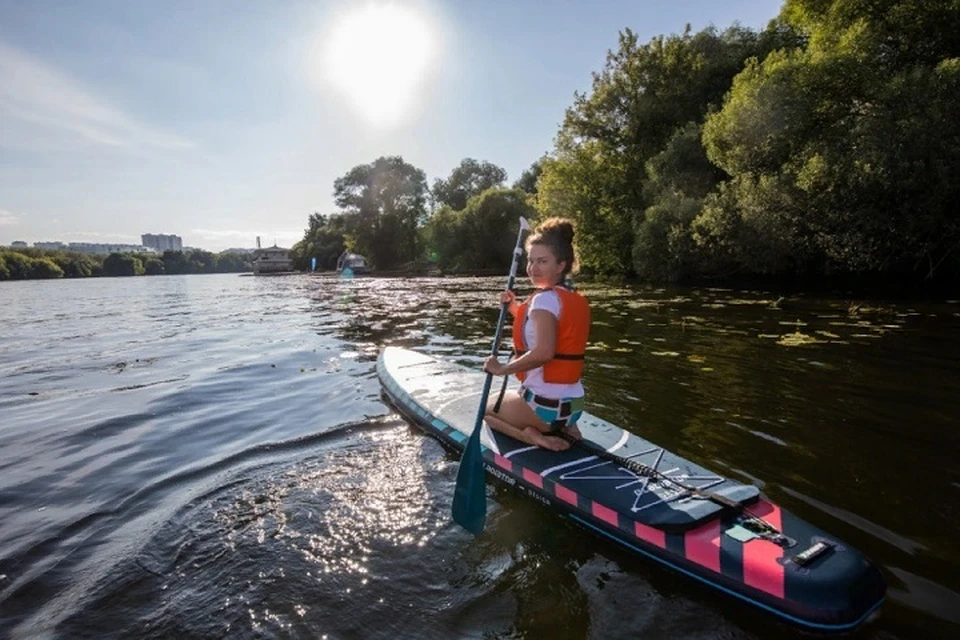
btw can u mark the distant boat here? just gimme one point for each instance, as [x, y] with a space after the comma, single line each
[351, 264]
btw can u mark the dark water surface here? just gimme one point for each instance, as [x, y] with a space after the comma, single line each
[210, 456]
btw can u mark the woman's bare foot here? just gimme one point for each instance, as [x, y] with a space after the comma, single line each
[573, 431]
[553, 443]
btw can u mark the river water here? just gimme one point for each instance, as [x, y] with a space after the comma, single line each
[210, 456]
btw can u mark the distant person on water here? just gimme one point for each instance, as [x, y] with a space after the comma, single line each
[550, 330]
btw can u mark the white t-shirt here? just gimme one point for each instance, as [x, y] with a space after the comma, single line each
[546, 301]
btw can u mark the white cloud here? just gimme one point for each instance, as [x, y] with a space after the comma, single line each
[42, 98]
[8, 219]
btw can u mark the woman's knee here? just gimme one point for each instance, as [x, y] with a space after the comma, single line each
[518, 412]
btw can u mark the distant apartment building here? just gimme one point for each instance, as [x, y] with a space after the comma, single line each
[104, 248]
[162, 241]
[53, 246]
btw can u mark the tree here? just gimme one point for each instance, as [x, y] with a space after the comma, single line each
[470, 178]
[481, 236]
[324, 239]
[645, 93]
[528, 179]
[583, 185]
[679, 178]
[153, 266]
[17, 265]
[29, 264]
[843, 154]
[44, 268]
[233, 263]
[122, 264]
[386, 202]
[78, 265]
[201, 261]
[174, 262]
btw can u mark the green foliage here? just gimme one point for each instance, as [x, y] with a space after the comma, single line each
[122, 264]
[324, 239]
[202, 261]
[16, 265]
[469, 179]
[748, 226]
[529, 178]
[44, 268]
[233, 263]
[598, 174]
[664, 249]
[27, 265]
[584, 186]
[844, 154]
[481, 237]
[32, 263]
[153, 267]
[385, 202]
[70, 264]
[78, 265]
[175, 262]
[679, 178]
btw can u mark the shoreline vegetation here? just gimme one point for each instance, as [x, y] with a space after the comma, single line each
[819, 153]
[36, 264]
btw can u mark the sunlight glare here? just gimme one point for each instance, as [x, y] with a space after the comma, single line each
[378, 57]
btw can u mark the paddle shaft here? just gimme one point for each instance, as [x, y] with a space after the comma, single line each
[503, 390]
[470, 496]
[482, 409]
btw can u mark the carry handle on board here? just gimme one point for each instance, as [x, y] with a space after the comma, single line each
[470, 493]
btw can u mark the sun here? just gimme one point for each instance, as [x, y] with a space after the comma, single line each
[378, 57]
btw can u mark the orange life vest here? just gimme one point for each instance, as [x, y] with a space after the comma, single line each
[573, 327]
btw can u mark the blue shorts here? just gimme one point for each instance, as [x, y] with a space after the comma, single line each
[556, 412]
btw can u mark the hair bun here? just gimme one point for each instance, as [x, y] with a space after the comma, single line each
[560, 226]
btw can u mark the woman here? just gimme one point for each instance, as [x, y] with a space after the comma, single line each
[550, 331]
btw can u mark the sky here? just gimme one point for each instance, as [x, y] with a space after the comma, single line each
[223, 120]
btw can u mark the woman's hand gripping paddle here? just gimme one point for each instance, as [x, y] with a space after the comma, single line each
[470, 494]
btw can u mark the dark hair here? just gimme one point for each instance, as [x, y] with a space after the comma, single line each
[557, 235]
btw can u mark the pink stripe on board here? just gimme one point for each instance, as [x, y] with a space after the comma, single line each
[565, 494]
[502, 462]
[606, 514]
[760, 567]
[656, 536]
[533, 478]
[702, 545]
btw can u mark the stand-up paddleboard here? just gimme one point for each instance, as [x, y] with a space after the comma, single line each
[658, 504]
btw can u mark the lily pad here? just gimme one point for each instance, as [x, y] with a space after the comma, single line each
[797, 339]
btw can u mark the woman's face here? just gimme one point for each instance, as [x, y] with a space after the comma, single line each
[543, 268]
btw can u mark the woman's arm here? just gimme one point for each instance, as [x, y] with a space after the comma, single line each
[545, 325]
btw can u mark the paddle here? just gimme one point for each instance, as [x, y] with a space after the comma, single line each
[470, 494]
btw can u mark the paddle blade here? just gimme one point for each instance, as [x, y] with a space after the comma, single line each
[470, 495]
